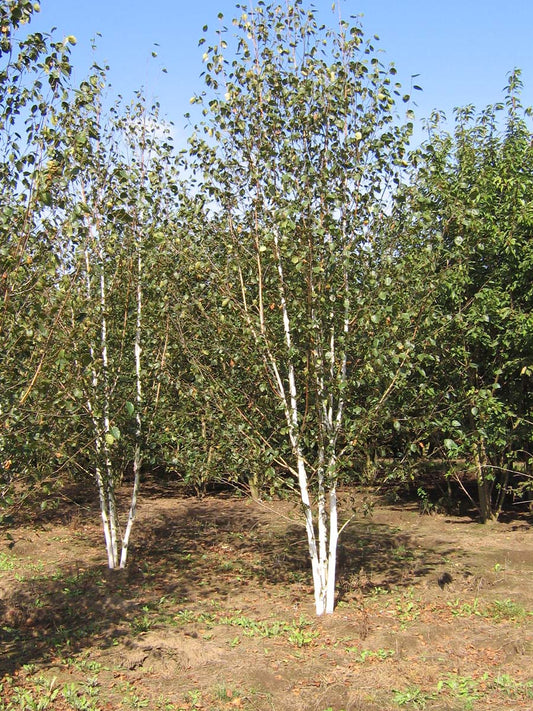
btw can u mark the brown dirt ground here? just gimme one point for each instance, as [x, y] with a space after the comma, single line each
[215, 611]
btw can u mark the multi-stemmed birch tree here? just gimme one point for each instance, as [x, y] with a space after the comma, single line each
[121, 187]
[87, 197]
[298, 156]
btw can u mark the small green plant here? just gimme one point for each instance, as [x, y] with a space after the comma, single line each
[498, 610]
[512, 688]
[163, 704]
[302, 637]
[81, 698]
[226, 694]
[7, 562]
[425, 504]
[364, 655]
[142, 623]
[194, 697]
[407, 609]
[506, 610]
[43, 699]
[465, 609]
[184, 616]
[300, 632]
[130, 698]
[412, 696]
[463, 687]
[297, 632]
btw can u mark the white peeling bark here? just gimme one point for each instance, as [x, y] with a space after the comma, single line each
[137, 457]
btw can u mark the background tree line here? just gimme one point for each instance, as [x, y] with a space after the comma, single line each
[297, 300]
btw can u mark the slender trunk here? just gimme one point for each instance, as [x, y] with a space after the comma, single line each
[322, 516]
[137, 456]
[102, 455]
[498, 506]
[333, 541]
[293, 426]
[322, 509]
[310, 530]
[108, 478]
[253, 485]
[484, 485]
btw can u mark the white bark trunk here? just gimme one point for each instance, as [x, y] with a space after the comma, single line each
[319, 563]
[109, 484]
[332, 557]
[137, 458]
[99, 439]
[103, 476]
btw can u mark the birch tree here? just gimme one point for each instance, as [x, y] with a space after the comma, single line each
[120, 169]
[297, 157]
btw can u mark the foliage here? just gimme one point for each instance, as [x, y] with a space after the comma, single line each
[34, 83]
[473, 204]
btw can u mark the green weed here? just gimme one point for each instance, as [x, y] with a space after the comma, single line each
[301, 637]
[194, 698]
[412, 696]
[82, 697]
[42, 699]
[227, 694]
[364, 655]
[187, 616]
[131, 699]
[142, 623]
[512, 688]
[498, 610]
[297, 633]
[463, 687]
[407, 609]
[465, 609]
[506, 610]
[7, 562]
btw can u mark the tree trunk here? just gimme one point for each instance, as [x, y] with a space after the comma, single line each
[484, 486]
[137, 457]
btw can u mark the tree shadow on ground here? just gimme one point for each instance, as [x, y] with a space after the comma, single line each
[374, 555]
[185, 552]
[210, 540]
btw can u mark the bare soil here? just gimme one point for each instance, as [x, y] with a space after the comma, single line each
[215, 611]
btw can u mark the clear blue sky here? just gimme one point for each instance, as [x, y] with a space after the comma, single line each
[462, 49]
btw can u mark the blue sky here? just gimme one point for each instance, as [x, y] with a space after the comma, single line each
[462, 49]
